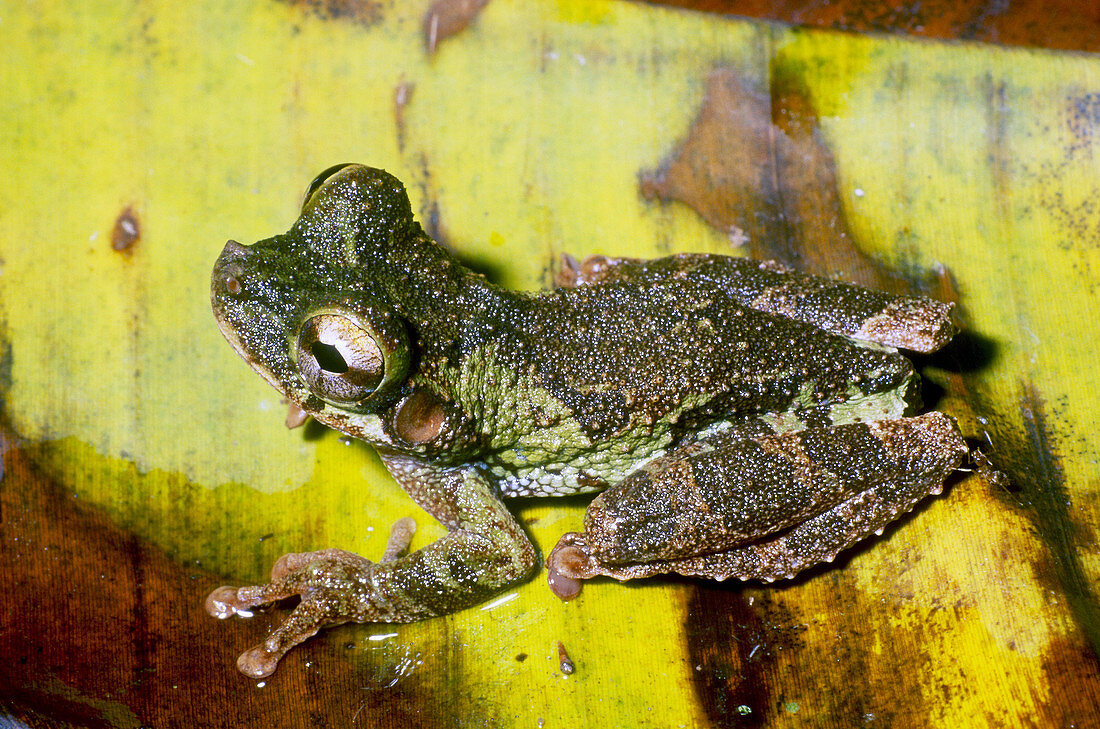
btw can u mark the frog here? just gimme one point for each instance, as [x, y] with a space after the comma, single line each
[738, 419]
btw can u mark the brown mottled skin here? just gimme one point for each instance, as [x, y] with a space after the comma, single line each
[747, 421]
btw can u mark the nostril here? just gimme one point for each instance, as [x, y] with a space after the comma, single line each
[232, 285]
[229, 277]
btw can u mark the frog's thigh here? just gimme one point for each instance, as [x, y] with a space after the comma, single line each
[764, 508]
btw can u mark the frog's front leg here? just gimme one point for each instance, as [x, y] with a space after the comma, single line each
[484, 551]
[762, 508]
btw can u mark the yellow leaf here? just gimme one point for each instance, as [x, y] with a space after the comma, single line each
[521, 138]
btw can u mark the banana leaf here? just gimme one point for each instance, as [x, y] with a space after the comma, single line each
[144, 463]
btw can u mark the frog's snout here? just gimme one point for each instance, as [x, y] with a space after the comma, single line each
[227, 268]
[225, 278]
[232, 249]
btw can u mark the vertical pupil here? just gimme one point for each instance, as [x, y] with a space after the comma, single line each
[328, 357]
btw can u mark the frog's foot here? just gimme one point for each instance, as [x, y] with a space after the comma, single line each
[574, 560]
[569, 563]
[762, 509]
[335, 586]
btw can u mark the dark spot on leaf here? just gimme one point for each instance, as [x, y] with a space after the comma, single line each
[731, 657]
[360, 12]
[565, 663]
[126, 232]
[1083, 119]
[1073, 666]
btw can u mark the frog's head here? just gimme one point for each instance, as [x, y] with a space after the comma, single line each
[301, 309]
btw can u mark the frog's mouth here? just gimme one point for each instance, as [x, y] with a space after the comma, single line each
[254, 331]
[244, 352]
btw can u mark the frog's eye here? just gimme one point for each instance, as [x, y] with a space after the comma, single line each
[320, 180]
[345, 361]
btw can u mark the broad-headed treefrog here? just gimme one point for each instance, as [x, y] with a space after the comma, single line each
[742, 420]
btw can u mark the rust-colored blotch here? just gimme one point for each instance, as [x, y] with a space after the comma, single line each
[126, 232]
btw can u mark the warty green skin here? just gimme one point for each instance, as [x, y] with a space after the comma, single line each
[489, 392]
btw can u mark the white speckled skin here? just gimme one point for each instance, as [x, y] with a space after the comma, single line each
[704, 393]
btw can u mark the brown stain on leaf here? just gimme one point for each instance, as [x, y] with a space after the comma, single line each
[840, 640]
[755, 166]
[359, 12]
[126, 232]
[732, 660]
[103, 629]
[1068, 24]
[1073, 673]
[445, 18]
[759, 654]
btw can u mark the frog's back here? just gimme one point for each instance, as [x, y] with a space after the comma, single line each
[623, 354]
[588, 383]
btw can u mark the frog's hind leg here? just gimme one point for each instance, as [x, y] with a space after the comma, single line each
[764, 508]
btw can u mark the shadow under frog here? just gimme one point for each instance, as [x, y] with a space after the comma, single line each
[742, 420]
